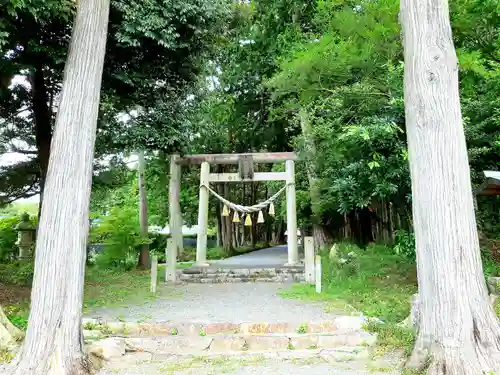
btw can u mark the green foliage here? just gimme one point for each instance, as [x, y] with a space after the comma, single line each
[18, 316]
[390, 337]
[349, 81]
[405, 244]
[8, 238]
[17, 273]
[119, 232]
[115, 287]
[155, 52]
[491, 264]
[18, 208]
[103, 288]
[375, 281]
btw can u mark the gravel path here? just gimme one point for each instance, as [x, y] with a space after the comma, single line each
[211, 303]
[272, 257]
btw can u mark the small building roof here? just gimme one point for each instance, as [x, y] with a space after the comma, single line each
[491, 185]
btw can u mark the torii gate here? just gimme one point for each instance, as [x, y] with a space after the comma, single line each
[245, 174]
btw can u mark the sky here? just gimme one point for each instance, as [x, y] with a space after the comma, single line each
[12, 158]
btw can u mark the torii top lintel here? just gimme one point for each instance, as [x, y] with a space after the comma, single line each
[260, 157]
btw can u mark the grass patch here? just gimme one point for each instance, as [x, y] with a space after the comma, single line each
[114, 287]
[183, 265]
[390, 337]
[375, 281]
[103, 288]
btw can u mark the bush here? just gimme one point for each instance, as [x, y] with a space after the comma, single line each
[119, 233]
[188, 255]
[8, 238]
[216, 253]
[17, 273]
[158, 242]
[375, 280]
[405, 244]
[491, 265]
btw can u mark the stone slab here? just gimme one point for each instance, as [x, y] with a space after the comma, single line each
[262, 343]
[304, 342]
[183, 345]
[109, 348]
[223, 344]
[159, 329]
[263, 328]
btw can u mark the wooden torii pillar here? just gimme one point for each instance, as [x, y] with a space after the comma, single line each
[206, 177]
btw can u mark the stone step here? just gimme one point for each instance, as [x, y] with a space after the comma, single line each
[228, 344]
[107, 340]
[220, 280]
[94, 328]
[231, 275]
[243, 271]
[219, 344]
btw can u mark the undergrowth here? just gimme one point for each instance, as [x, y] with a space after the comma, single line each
[373, 280]
[376, 281]
[103, 287]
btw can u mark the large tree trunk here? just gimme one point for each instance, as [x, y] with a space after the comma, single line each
[143, 210]
[459, 331]
[319, 233]
[54, 339]
[174, 205]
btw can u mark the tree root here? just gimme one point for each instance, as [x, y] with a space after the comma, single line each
[73, 366]
[10, 336]
[474, 358]
[57, 365]
[413, 320]
[464, 362]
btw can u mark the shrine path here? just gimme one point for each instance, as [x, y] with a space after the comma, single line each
[272, 257]
[239, 303]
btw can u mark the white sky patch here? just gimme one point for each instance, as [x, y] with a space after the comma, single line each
[11, 158]
[19, 80]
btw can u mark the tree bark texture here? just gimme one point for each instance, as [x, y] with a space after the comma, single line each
[459, 331]
[143, 210]
[174, 205]
[54, 341]
[319, 233]
[228, 237]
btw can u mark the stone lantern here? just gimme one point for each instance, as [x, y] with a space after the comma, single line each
[25, 237]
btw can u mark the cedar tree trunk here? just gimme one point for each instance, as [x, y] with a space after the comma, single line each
[459, 331]
[54, 341]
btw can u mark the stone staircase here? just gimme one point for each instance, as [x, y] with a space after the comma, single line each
[111, 340]
[213, 274]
